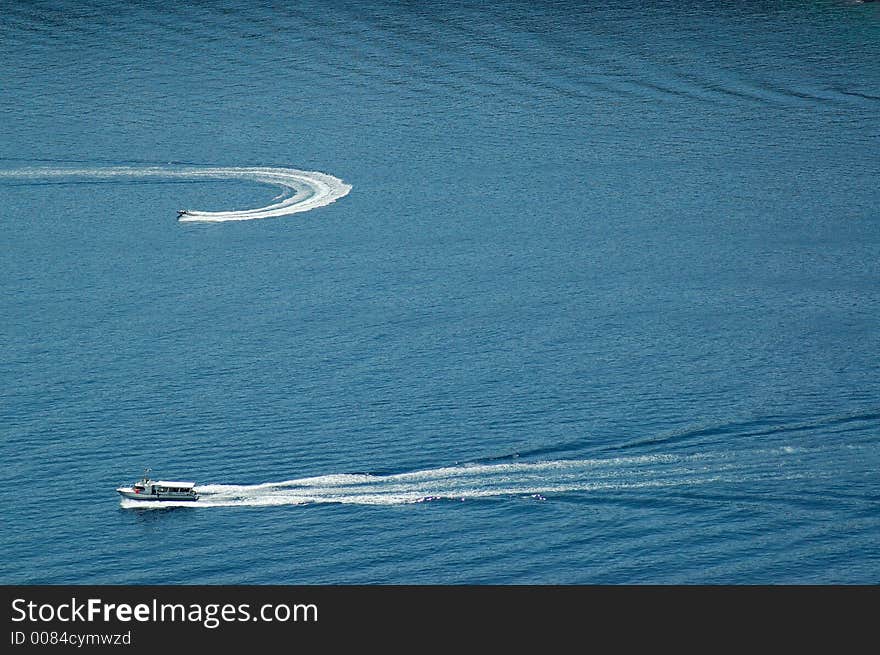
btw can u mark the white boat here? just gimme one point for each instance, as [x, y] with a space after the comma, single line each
[152, 490]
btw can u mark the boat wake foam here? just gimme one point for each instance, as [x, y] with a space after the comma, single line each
[532, 480]
[301, 190]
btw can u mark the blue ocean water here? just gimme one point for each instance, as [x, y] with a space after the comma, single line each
[601, 306]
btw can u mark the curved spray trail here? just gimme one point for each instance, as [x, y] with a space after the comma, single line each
[515, 479]
[302, 190]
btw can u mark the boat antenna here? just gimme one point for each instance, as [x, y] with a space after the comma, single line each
[147, 473]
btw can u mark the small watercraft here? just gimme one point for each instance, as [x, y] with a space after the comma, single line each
[182, 212]
[147, 489]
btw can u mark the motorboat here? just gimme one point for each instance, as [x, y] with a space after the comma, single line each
[182, 212]
[152, 490]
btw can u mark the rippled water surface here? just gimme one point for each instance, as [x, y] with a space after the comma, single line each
[527, 292]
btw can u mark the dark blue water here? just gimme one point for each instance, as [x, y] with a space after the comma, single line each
[602, 305]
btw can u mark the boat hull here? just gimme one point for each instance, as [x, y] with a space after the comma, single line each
[131, 494]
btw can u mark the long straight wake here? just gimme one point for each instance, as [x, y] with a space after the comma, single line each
[515, 479]
[302, 190]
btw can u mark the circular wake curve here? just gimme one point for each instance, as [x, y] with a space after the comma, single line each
[303, 190]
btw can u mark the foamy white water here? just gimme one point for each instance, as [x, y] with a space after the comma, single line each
[302, 190]
[473, 481]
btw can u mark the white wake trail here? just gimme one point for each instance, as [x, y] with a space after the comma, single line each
[302, 190]
[474, 481]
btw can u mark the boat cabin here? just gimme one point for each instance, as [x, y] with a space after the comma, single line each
[147, 489]
[163, 487]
